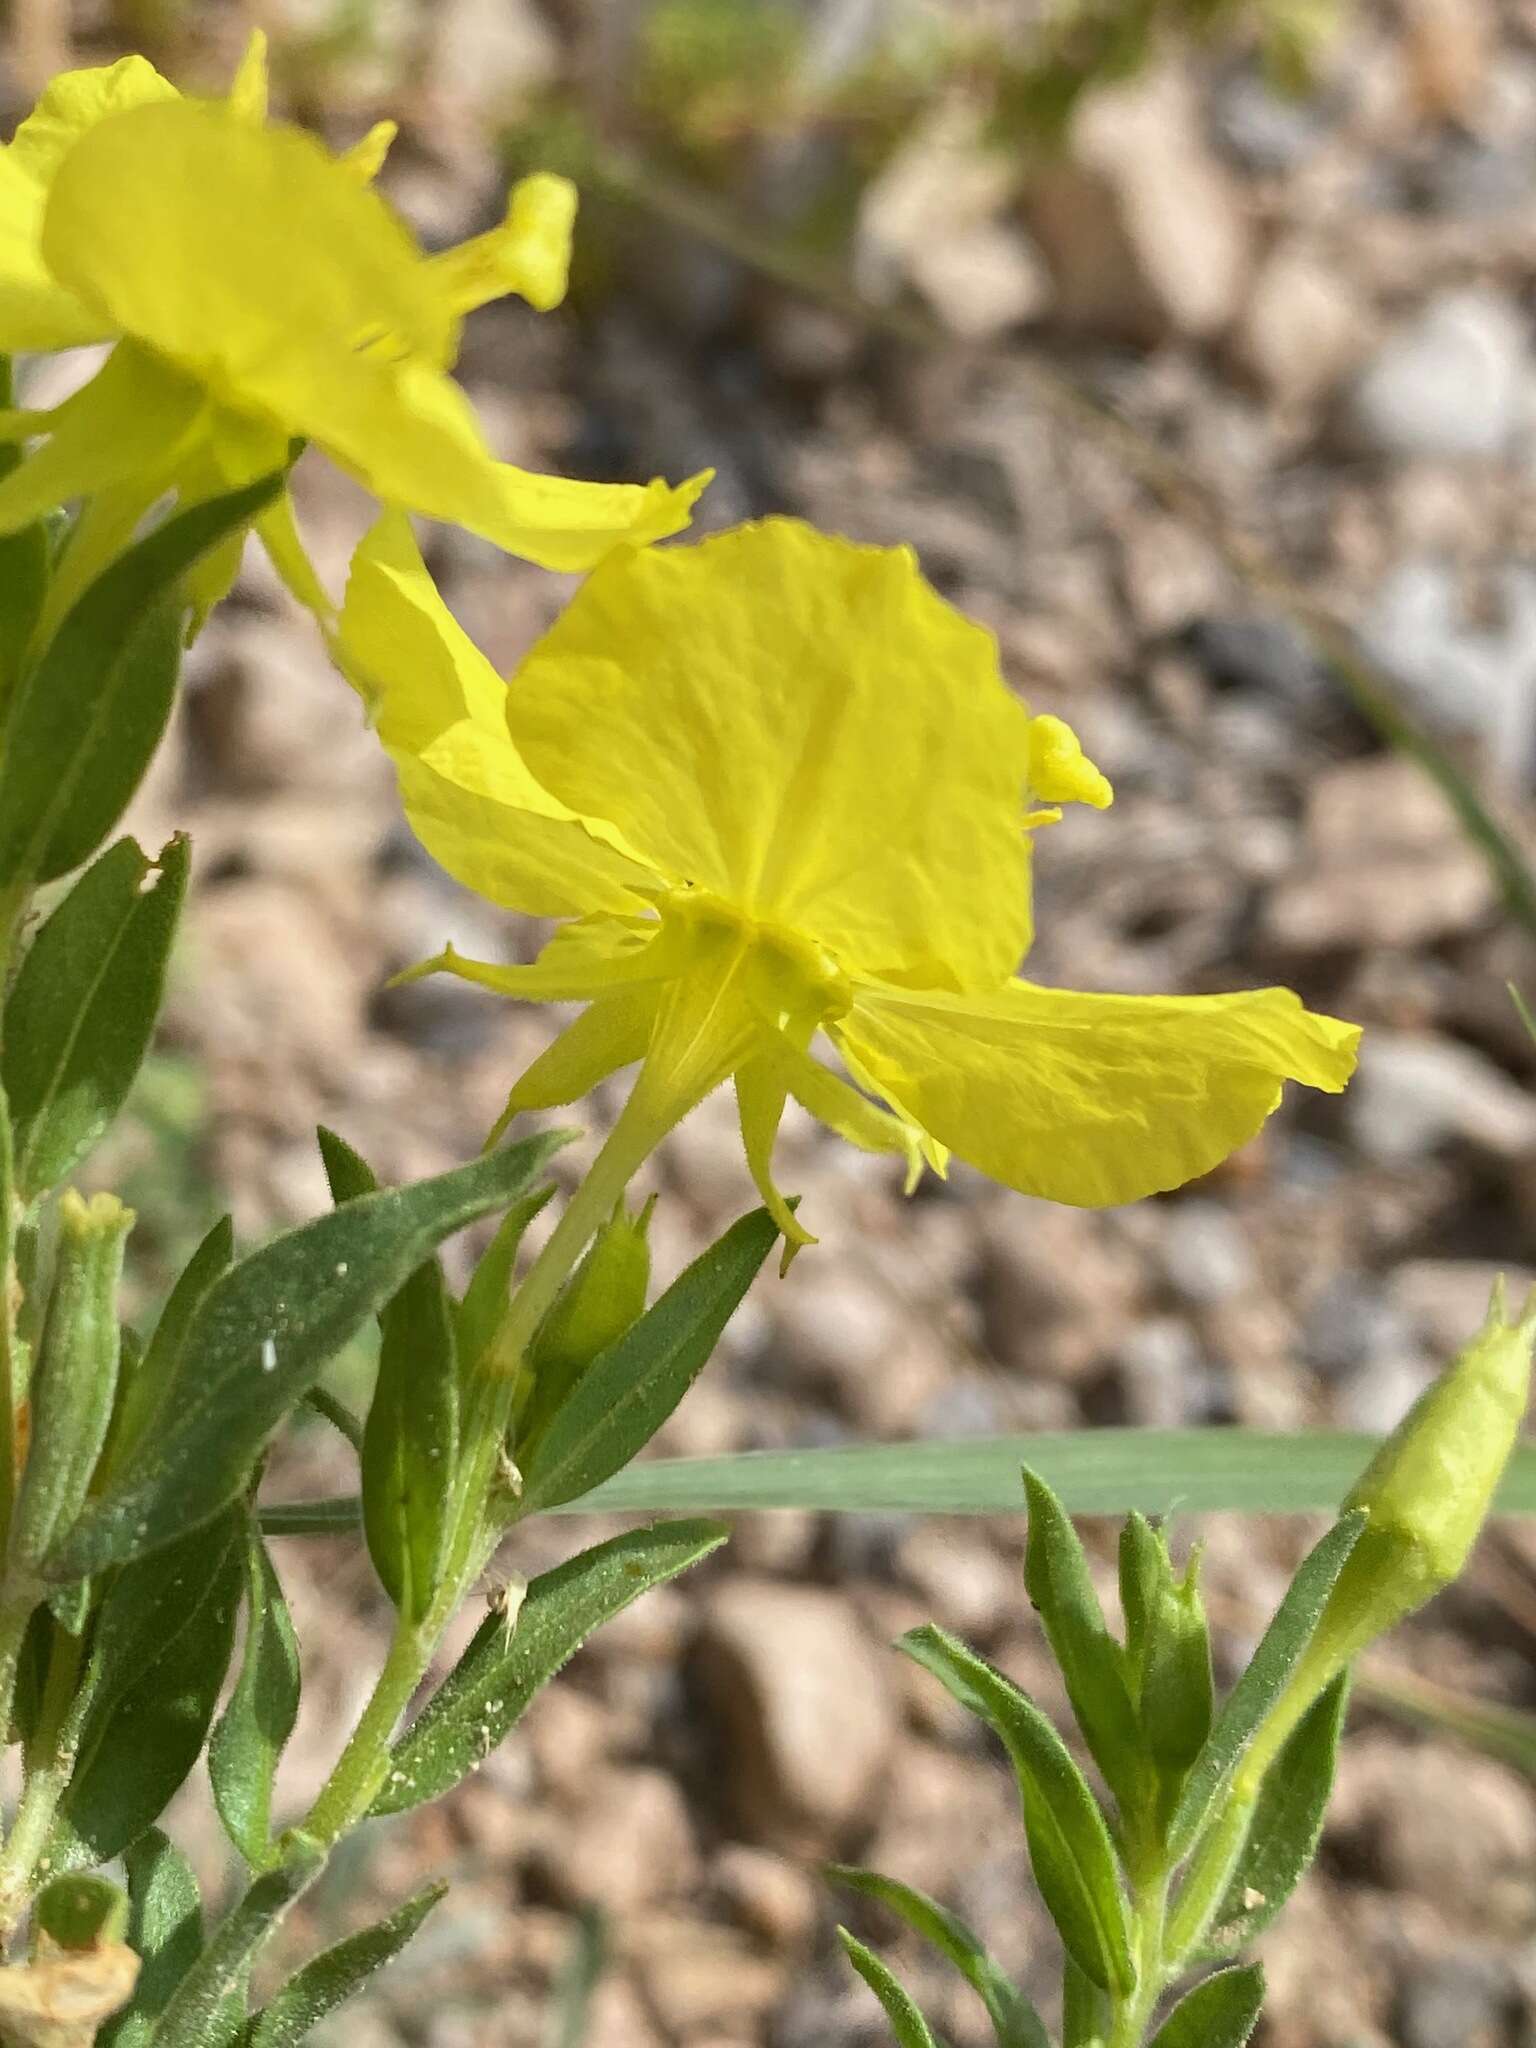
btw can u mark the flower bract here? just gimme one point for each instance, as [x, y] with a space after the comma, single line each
[783, 800]
[259, 293]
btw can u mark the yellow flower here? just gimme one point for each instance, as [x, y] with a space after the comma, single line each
[778, 789]
[260, 292]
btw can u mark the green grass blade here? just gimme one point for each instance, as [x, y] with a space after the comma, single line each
[1095, 1472]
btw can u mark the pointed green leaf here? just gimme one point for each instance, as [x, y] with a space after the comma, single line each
[1014, 2019]
[907, 2023]
[1260, 1685]
[629, 1390]
[335, 1975]
[258, 1340]
[411, 1439]
[511, 1657]
[165, 1931]
[1085, 2010]
[254, 1728]
[1220, 2013]
[1058, 1582]
[1069, 1842]
[143, 1383]
[90, 713]
[1287, 1823]
[143, 1736]
[207, 2009]
[81, 1015]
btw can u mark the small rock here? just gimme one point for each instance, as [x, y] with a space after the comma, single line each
[1141, 228]
[1055, 1287]
[1304, 326]
[930, 219]
[805, 1708]
[1350, 1324]
[1384, 865]
[962, 1581]
[1449, 383]
[703, 1981]
[1164, 1380]
[1263, 128]
[770, 1896]
[1465, 677]
[1462, 1834]
[1205, 1255]
[630, 1845]
[1380, 1393]
[1466, 1998]
[1255, 651]
[1415, 1092]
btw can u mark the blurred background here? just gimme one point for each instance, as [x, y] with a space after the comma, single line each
[1184, 339]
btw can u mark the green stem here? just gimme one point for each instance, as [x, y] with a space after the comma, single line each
[363, 1765]
[14, 1616]
[1148, 1921]
[50, 1766]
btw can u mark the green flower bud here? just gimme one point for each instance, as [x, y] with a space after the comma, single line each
[1426, 1495]
[1176, 1689]
[604, 1295]
[75, 1380]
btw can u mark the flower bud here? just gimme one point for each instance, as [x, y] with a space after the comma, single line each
[604, 1295]
[1176, 1688]
[1425, 1495]
[75, 1379]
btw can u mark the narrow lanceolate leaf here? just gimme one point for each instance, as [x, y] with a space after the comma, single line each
[1260, 1685]
[81, 1015]
[24, 559]
[908, 2026]
[411, 1441]
[81, 1912]
[1287, 1823]
[90, 714]
[335, 1975]
[1014, 2019]
[1069, 1842]
[143, 1736]
[144, 1383]
[1057, 1580]
[258, 1340]
[165, 1932]
[251, 1733]
[207, 2009]
[628, 1391]
[1220, 2013]
[1085, 2010]
[507, 1663]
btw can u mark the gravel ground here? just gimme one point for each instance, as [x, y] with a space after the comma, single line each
[1323, 311]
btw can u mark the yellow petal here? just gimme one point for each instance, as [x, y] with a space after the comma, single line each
[530, 253]
[1059, 771]
[804, 728]
[133, 420]
[441, 712]
[1093, 1099]
[247, 255]
[36, 310]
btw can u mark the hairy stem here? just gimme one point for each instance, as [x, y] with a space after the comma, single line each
[1133, 2014]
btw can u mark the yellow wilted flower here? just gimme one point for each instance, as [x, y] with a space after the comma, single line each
[260, 292]
[779, 789]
